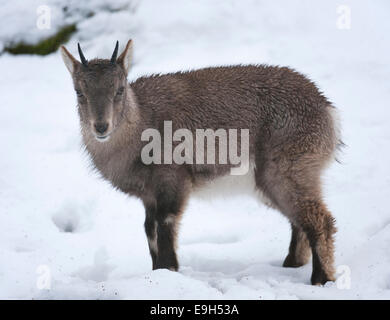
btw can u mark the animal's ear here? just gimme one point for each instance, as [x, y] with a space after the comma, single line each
[69, 60]
[126, 56]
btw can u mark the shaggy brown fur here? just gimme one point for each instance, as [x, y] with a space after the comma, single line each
[293, 137]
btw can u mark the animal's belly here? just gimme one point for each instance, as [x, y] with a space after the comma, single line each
[230, 186]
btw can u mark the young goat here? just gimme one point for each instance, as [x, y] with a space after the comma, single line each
[292, 138]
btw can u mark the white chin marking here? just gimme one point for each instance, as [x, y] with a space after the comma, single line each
[106, 138]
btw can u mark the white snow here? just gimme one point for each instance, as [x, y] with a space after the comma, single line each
[65, 233]
[34, 20]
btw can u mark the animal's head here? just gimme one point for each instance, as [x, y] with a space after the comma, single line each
[100, 86]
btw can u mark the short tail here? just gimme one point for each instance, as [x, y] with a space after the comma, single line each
[339, 144]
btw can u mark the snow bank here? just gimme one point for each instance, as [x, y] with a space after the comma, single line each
[64, 233]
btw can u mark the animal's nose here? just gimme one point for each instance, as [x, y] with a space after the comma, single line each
[101, 127]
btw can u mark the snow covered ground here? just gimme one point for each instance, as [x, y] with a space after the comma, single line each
[64, 233]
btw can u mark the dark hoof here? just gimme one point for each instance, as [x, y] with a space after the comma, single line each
[320, 278]
[173, 266]
[291, 262]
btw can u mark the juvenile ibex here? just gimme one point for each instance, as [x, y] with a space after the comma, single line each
[292, 138]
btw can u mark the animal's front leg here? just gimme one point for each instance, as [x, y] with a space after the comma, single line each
[166, 242]
[164, 207]
[161, 223]
[151, 234]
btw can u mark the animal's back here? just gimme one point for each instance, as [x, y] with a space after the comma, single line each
[275, 103]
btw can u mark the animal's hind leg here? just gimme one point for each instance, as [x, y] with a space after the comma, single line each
[311, 215]
[299, 251]
[294, 188]
[318, 223]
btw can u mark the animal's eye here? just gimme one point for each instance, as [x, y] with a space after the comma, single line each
[120, 91]
[79, 93]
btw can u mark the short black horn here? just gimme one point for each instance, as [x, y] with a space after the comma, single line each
[113, 58]
[82, 58]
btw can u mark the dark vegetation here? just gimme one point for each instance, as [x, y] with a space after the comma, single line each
[45, 46]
